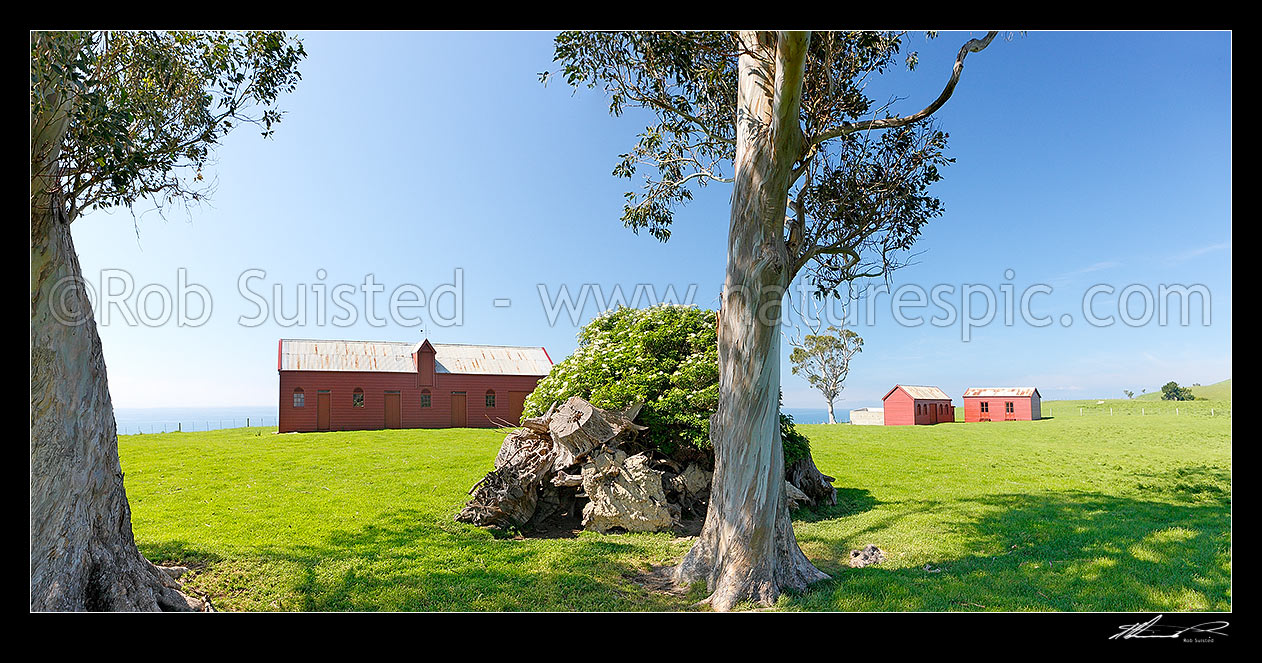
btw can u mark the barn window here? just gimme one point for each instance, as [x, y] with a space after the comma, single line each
[985, 406]
[490, 398]
[300, 399]
[425, 400]
[1007, 407]
[357, 398]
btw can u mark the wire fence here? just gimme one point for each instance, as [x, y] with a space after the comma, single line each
[1187, 409]
[193, 425]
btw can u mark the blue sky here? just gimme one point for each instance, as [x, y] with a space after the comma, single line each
[1081, 159]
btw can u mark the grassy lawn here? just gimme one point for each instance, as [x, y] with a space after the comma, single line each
[1072, 513]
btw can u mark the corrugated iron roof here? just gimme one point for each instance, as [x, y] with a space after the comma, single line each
[395, 357]
[921, 393]
[1000, 391]
[491, 359]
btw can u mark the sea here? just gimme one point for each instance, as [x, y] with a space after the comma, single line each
[805, 415]
[147, 420]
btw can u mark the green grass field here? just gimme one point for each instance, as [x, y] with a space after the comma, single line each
[1071, 513]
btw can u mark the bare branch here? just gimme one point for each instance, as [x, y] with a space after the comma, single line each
[971, 46]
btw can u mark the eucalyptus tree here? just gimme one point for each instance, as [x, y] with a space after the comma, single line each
[824, 359]
[116, 119]
[826, 183]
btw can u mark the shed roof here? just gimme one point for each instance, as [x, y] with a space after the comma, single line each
[396, 357]
[491, 359]
[1001, 391]
[920, 393]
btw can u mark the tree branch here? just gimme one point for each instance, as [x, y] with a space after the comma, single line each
[971, 46]
[787, 103]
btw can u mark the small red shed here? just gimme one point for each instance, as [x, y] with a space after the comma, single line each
[1002, 404]
[907, 405]
[367, 385]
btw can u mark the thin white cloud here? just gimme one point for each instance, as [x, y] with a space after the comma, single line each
[1196, 253]
[1067, 277]
[1107, 264]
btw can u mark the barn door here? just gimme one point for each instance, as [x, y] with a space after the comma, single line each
[324, 406]
[516, 402]
[394, 410]
[459, 410]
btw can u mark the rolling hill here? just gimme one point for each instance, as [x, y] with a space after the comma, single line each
[1218, 391]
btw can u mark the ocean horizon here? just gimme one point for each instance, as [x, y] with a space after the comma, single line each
[147, 420]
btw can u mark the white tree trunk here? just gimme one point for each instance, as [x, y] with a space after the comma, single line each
[746, 550]
[83, 555]
[831, 418]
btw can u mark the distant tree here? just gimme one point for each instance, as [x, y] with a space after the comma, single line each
[1129, 393]
[826, 182]
[825, 361]
[116, 118]
[1171, 391]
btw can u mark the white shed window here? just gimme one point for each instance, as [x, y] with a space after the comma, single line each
[300, 399]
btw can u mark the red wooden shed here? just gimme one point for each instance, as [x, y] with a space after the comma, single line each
[907, 405]
[368, 385]
[1002, 404]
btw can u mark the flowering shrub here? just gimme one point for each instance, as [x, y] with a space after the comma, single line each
[666, 357]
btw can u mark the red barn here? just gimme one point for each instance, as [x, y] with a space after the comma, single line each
[1002, 404]
[907, 405]
[368, 385]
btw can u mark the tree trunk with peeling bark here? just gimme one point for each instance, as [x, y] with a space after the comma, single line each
[747, 551]
[83, 554]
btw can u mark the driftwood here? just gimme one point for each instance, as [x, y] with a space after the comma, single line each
[796, 498]
[507, 496]
[624, 493]
[578, 458]
[817, 486]
[578, 427]
[500, 500]
[539, 467]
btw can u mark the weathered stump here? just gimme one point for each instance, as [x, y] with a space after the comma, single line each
[625, 494]
[815, 484]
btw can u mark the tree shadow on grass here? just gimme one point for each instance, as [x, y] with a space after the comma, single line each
[1053, 551]
[1190, 482]
[1167, 549]
[405, 561]
[850, 502]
